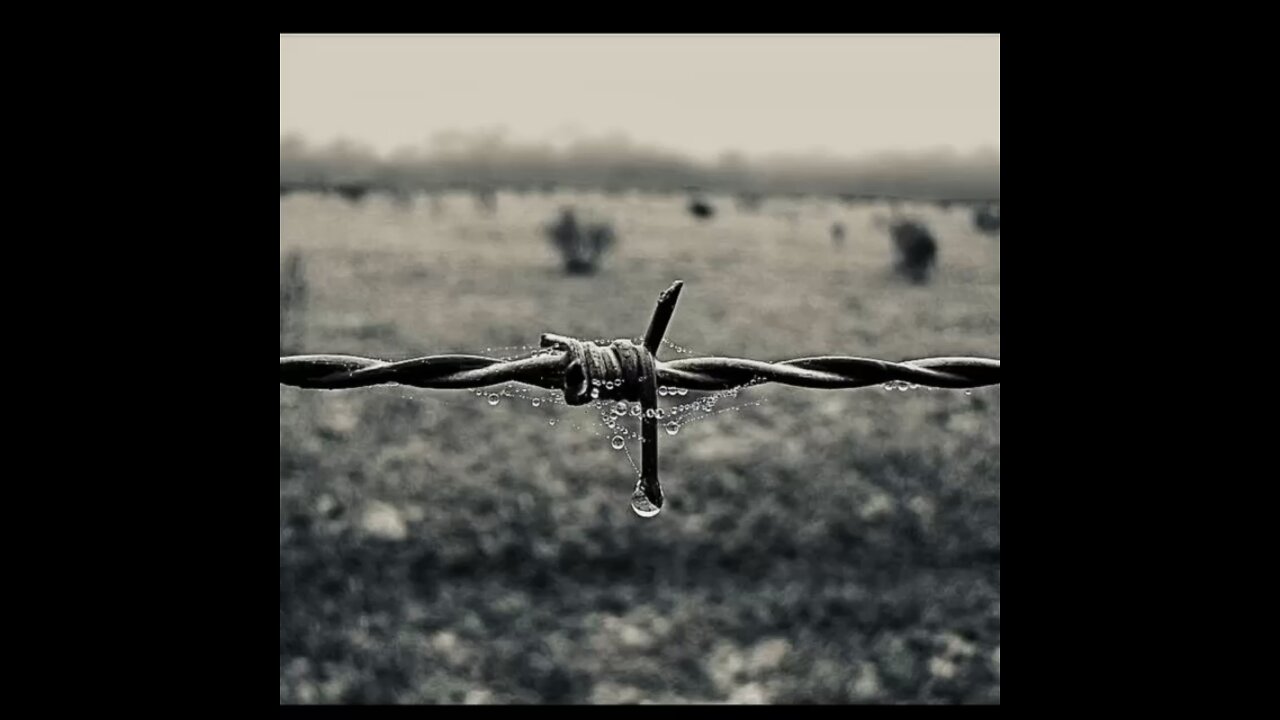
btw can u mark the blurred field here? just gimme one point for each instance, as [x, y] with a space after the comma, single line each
[820, 546]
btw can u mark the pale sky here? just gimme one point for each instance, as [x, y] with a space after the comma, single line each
[698, 94]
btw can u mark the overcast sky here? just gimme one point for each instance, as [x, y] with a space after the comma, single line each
[702, 95]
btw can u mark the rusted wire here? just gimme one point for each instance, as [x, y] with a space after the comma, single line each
[625, 370]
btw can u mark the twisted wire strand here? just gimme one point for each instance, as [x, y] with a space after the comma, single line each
[337, 372]
[628, 370]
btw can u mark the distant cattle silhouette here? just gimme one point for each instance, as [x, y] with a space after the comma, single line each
[581, 245]
[916, 248]
[352, 192]
[701, 209]
[986, 218]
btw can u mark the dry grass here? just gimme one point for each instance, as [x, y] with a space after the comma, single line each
[817, 547]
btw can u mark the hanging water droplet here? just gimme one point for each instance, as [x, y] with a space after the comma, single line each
[662, 391]
[641, 505]
[620, 408]
[673, 427]
[648, 413]
[595, 393]
[595, 381]
[536, 402]
[494, 399]
[968, 392]
[552, 422]
[661, 413]
[635, 410]
[682, 391]
[608, 384]
[617, 442]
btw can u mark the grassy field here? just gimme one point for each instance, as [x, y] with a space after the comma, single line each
[817, 546]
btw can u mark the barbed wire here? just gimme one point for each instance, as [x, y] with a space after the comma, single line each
[628, 370]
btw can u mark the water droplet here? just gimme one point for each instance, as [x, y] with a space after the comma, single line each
[661, 413]
[662, 391]
[682, 391]
[620, 408]
[494, 399]
[635, 410]
[648, 413]
[617, 442]
[968, 392]
[536, 402]
[673, 427]
[642, 506]
[595, 381]
[595, 393]
[608, 384]
[552, 422]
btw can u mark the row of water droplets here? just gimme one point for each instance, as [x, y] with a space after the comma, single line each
[613, 416]
[903, 386]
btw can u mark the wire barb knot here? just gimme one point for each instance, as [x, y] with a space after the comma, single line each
[592, 371]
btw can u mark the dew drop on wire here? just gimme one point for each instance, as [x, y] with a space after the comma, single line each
[617, 442]
[682, 391]
[536, 402]
[673, 427]
[494, 399]
[620, 408]
[662, 391]
[635, 410]
[641, 505]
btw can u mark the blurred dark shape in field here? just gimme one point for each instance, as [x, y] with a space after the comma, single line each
[581, 246]
[702, 209]
[986, 218]
[837, 234]
[293, 303]
[916, 248]
[352, 192]
[486, 200]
